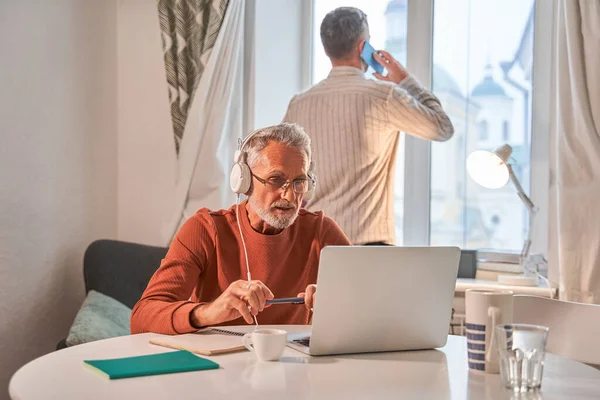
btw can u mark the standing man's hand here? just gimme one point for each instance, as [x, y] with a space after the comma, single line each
[241, 298]
[395, 71]
[309, 296]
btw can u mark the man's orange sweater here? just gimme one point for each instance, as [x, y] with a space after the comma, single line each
[206, 256]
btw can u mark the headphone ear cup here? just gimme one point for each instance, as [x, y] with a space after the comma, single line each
[240, 178]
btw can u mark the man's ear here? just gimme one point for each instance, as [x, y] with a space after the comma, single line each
[361, 45]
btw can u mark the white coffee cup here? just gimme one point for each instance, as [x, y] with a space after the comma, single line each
[267, 344]
[484, 310]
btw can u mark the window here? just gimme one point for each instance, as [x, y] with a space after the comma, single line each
[478, 75]
[478, 58]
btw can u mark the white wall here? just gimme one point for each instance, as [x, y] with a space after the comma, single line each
[57, 165]
[147, 161]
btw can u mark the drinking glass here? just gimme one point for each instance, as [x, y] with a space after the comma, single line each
[521, 351]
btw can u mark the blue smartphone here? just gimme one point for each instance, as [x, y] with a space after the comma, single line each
[367, 56]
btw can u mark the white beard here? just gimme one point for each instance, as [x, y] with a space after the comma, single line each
[274, 220]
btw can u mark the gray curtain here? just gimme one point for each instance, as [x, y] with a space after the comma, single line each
[189, 29]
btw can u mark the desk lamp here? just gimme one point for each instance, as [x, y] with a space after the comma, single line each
[492, 170]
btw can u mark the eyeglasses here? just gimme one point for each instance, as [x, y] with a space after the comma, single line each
[300, 186]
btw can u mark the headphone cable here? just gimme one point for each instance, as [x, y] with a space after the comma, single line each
[237, 212]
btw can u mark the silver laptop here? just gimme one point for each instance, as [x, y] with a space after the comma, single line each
[381, 298]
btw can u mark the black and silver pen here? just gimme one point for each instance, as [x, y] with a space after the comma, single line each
[287, 300]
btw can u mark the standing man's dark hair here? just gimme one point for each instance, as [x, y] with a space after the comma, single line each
[341, 31]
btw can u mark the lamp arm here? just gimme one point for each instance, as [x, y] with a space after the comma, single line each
[531, 208]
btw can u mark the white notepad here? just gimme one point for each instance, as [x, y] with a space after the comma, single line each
[210, 342]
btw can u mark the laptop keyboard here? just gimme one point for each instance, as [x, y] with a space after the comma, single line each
[303, 341]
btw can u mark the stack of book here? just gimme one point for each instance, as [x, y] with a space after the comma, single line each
[491, 263]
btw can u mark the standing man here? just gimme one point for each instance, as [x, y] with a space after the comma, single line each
[355, 123]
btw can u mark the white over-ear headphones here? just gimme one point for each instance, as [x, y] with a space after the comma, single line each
[240, 177]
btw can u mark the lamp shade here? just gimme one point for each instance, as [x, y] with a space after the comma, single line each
[488, 168]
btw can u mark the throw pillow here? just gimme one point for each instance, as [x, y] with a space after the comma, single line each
[100, 317]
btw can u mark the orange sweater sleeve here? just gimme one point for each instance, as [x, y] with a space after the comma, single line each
[165, 307]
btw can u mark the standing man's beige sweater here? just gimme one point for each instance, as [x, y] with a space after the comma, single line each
[355, 124]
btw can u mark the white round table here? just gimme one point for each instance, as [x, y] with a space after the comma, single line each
[430, 374]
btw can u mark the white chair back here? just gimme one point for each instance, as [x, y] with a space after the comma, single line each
[574, 327]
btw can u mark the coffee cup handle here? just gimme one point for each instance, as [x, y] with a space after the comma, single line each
[247, 341]
[494, 315]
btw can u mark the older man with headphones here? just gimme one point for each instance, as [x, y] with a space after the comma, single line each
[223, 266]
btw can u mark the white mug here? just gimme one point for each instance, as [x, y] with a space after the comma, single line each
[267, 344]
[484, 310]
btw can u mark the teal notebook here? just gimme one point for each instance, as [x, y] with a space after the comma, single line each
[153, 364]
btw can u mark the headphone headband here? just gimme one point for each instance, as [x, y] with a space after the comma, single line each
[242, 142]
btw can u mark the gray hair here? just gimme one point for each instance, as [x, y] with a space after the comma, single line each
[342, 29]
[291, 135]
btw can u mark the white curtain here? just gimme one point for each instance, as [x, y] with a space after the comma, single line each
[575, 152]
[214, 124]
